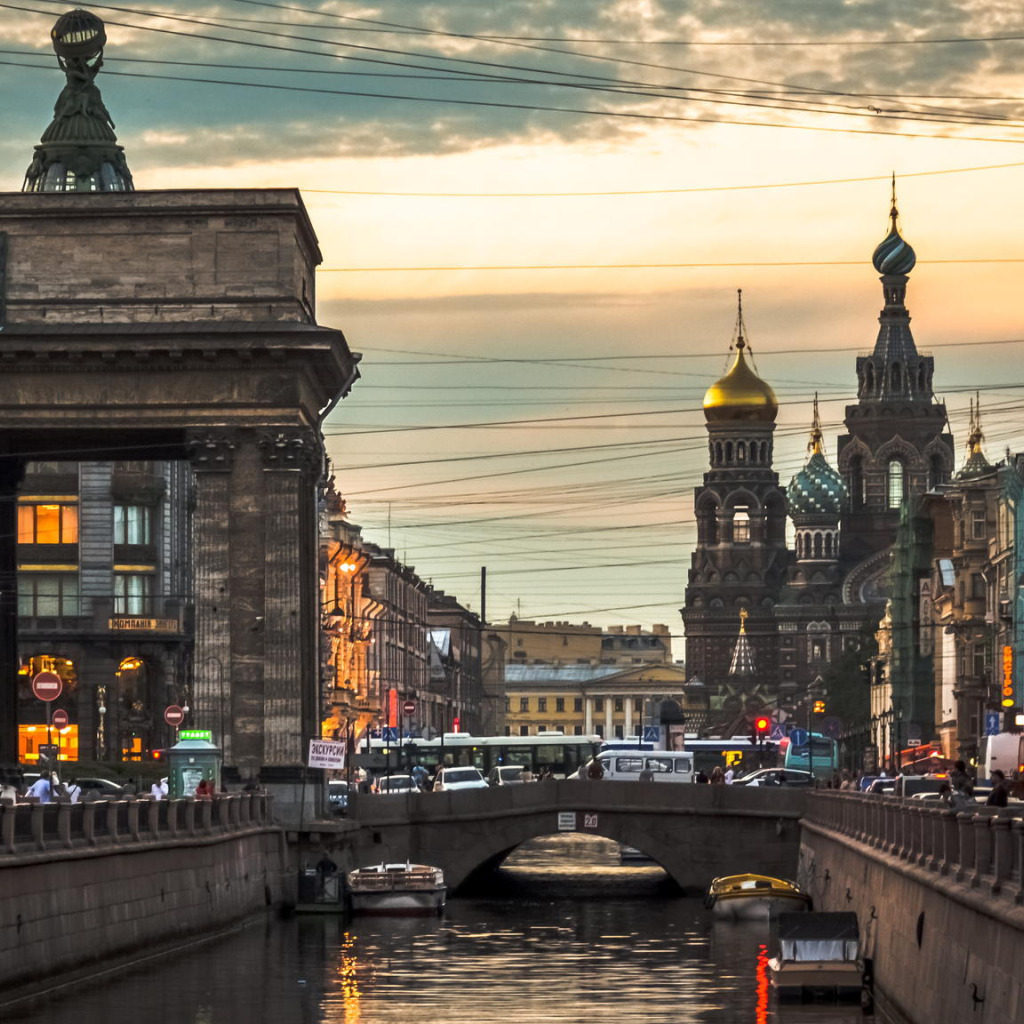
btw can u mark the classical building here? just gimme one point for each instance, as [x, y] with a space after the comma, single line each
[809, 611]
[556, 643]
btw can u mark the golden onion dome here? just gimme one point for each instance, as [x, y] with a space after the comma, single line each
[740, 394]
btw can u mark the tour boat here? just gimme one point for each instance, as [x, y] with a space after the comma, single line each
[396, 889]
[818, 957]
[754, 897]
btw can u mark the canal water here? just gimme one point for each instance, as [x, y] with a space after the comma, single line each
[563, 935]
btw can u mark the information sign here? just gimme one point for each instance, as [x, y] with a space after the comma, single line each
[566, 821]
[913, 742]
[196, 734]
[326, 754]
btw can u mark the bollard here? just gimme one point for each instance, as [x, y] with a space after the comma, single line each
[1002, 852]
[950, 842]
[982, 849]
[965, 860]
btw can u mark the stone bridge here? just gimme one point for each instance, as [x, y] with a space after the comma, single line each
[695, 833]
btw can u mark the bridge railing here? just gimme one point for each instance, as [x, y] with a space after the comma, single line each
[983, 847]
[27, 829]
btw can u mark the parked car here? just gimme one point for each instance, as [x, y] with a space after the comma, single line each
[911, 785]
[505, 775]
[452, 779]
[776, 777]
[104, 788]
[396, 784]
[337, 796]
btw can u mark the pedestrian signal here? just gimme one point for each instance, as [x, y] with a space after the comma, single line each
[819, 707]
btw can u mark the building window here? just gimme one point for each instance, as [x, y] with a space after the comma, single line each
[638, 706]
[979, 526]
[132, 524]
[524, 730]
[977, 586]
[542, 703]
[577, 704]
[524, 703]
[131, 593]
[618, 732]
[978, 668]
[48, 594]
[559, 703]
[896, 474]
[618, 703]
[741, 526]
[599, 704]
[577, 730]
[47, 524]
[599, 731]
[508, 704]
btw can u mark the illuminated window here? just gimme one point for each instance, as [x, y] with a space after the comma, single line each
[131, 593]
[741, 526]
[50, 594]
[896, 474]
[132, 524]
[47, 524]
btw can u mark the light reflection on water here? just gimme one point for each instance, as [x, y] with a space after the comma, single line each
[563, 935]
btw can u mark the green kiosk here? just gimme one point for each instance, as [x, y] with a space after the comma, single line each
[193, 758]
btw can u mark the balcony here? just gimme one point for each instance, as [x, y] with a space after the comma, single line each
[135, 483]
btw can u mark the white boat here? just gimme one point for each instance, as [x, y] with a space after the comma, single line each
[396, 889]
[754, 897]
[818, 957]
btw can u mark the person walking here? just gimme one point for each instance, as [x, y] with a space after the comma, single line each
[702, 777]
[717, 776]
[1000, 794]
[729, 775]
[960, 782]
[40, 790]
[595, 770]
[74, 791]
[526, 775]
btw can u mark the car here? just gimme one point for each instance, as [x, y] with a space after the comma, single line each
[882, 786]
[391, 784]
[337, 796]
[454, 779]
[911, 785]
[104, 788]
[505, 775]
[776, 777]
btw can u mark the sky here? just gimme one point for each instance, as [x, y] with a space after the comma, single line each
[535, 218]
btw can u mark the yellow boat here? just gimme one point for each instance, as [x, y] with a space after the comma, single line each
[754, 897]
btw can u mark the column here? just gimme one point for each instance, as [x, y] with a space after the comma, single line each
[627, 728]
[609, 714]
[588, 716]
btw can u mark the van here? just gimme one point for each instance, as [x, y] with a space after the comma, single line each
[664, 765]
[1004, 751]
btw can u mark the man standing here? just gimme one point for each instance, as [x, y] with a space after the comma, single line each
[40, 790]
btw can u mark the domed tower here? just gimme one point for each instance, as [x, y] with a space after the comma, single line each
[740, 558]
[78, 152]
[897, 446]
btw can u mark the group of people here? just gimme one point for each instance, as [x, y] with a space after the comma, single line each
[958, 792]
[46, 789]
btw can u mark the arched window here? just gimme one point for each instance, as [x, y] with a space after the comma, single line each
[896, 480]
[728, 452]
[741, 526]
[937, 475]
[896, 385]
[856, 482]
[741, 451]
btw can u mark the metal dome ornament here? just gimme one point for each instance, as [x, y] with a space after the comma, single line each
[893, 255]
[78, 152]
[78, 35]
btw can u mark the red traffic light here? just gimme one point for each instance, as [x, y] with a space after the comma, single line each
[762, 725]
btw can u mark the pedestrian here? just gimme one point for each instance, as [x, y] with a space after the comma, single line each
[1000, 794]
[961, 783]
[702, 777]
[526, 775]
[729, 775]
[8, 794]
[204, 791]
[717, 776]
[40, 790]
[156, 791]
[646, 775]
[74, 791]
[547, 775]
[129, 789]
[595, 770]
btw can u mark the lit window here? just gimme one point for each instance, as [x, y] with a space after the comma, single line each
[47, 524]
[741, 526]
[896, 473]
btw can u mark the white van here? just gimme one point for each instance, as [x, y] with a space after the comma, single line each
[1004, 751]
[664, 765]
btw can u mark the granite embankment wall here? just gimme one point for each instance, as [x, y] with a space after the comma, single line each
[84, 887]
[939, 896]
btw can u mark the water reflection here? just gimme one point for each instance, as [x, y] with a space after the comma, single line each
[564, 934]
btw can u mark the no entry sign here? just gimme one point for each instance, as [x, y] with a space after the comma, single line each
[59, 719]
[47, 685]
[174, 715]
[409, 707]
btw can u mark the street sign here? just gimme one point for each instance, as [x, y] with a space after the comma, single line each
[798, 737]
[326, 754]
[59, 719]
[174, 715]
[652, 734]
[992, 723]
[47, 685]
[48, 750]
[777, 733]
[913, 742]
[409, 707]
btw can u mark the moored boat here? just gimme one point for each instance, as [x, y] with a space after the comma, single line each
[754, 897]
[818, 957]
[396, 889]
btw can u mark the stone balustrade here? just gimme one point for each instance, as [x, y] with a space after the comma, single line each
[27, 829]
[981, 847]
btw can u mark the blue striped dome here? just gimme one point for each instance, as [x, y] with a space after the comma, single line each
[893, 255]
[817, 489]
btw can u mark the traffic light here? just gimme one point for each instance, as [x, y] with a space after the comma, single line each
[819, 707]
[762, 726]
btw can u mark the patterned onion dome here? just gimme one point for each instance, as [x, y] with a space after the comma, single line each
[893, 255]
[740, 394]
[817, 489]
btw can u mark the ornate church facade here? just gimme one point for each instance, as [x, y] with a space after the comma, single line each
[795, 612]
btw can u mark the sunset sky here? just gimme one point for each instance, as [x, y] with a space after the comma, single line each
[536, 238]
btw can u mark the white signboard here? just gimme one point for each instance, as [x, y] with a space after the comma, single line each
[566, 821]
[326, 754]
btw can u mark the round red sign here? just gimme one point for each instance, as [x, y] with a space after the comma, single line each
[59, 719]
[409, 707]
[47, 685]
[174, 715]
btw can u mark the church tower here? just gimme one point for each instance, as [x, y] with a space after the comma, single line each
[897, 445]
[740, 557]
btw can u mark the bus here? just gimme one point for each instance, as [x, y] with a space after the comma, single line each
[547, 750]
[736, 752]
[820, 756]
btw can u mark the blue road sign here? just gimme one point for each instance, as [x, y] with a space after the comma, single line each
[798, 737]
[389, 735]
[777, 732]
[991, 723]
[652, 733]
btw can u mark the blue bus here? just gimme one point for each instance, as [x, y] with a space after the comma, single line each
[818, 754]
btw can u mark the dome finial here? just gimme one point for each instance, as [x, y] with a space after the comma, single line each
[816, 445]
[893, 212]
[740, 342]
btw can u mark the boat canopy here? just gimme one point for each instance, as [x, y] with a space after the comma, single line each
[818, 936]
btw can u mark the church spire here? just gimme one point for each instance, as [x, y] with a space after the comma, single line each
[742, 663]
[78, 152]
[976, 464]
